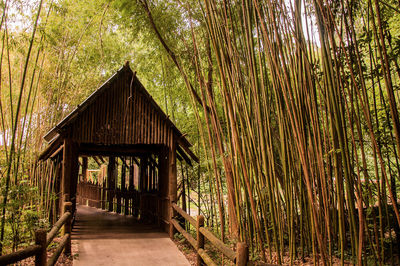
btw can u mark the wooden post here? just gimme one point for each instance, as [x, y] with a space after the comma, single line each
[141, 186]
[103, 193]
[119, 202]
[172, 182]
[131, 185]
[200, 238]
[111, 183]
[40, 239]
[66, 169]
[74, 177]
[68, 227]
[123, 188]
[183, 192]
[58, 191]
[98, 196]
[163, 188]
[82, 181]
[65, 199]
[70, 170]
[84, 168]
[142, 174]
[242, 254]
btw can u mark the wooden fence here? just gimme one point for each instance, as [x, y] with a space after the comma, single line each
[90, 194]
[240, 257]
[43, 240]
[122, 201]
[118, 200]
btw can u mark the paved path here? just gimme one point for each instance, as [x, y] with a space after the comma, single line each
[111, 239]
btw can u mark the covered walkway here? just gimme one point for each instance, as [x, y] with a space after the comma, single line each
[106, 238]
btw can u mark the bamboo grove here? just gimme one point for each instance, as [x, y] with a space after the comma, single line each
[38, 67]
[296, 104]
[308, 132]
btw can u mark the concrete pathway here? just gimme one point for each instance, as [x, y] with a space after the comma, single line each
[105, 238]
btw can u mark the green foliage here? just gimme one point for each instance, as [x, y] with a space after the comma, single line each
[22, 216]
[297, 114]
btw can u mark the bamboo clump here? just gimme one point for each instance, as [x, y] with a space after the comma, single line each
[295, 110]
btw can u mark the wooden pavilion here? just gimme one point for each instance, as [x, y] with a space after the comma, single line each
[120, 121]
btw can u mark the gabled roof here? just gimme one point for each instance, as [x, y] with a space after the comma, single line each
[54, 133]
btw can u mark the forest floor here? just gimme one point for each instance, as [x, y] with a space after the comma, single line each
[190, 254]
[186, 250]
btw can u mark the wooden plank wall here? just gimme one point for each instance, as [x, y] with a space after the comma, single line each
[122, 115]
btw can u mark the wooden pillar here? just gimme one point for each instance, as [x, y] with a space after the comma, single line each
[131, 174]
[172, 183]
[70, 169]
[74, 177]
[131, 185]
[118, 189]
[183, 190]
[58, 188]
[84, 168]
[111, 183]
[142, 173]
[163, 187]
[98, 196]
[103, 193]
[66, 169]
[142, 185]
[83, 179]
[124, 188]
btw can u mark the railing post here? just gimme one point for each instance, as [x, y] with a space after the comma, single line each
[242, 254]
[40, 239]
[200, 239]
[65, 200]
[67, 227]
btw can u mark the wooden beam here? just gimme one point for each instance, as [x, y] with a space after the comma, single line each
[96, 160]
[187, 150]
[54, 154]
[119, 150]
[51, 149]
[101, 158]
[183, 156]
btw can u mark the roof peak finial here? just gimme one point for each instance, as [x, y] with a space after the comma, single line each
[127, 63]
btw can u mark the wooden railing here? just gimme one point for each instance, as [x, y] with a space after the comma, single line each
[240, 257]
[123, 201]
[126, 201]
[43, 240]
